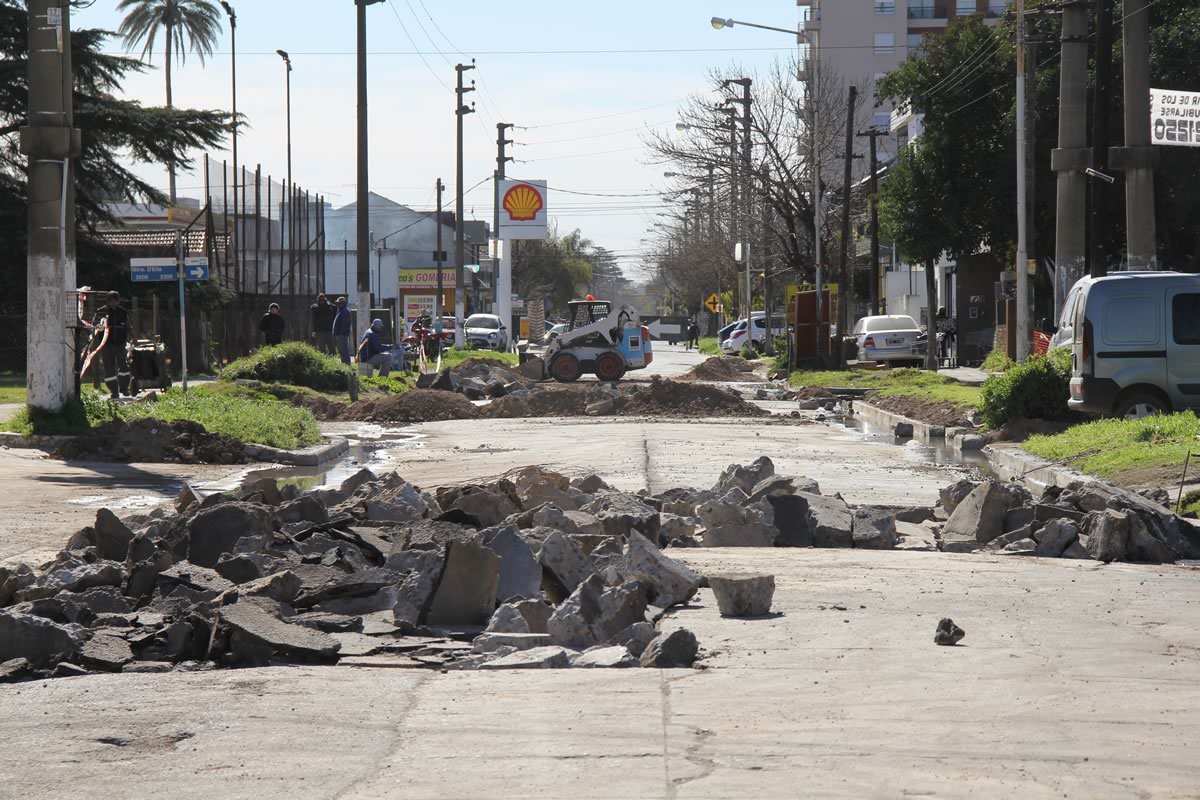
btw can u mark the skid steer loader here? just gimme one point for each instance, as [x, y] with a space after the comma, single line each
[601, 341]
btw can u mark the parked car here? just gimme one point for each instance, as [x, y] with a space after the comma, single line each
[485, 331]
[739, 336]
[723, 334]
[554, 332]
[1135, 347]
[890, 338]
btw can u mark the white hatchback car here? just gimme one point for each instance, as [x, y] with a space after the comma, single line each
[890, 338]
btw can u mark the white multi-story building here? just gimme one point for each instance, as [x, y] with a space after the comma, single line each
[860, 41]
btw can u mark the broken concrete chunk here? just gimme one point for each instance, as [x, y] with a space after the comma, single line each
[668, 581]
[106, 652]
[508, 619]
[977, 520]
[674, 650]
[620, 514]
[1056, 536]
[74, 577]
[214, 531]
[874, 528]
[829, 520]
[282, 587]
[635, 638]
[1108, 535]
[491, 642]
[948, 633]
[324, 621]
[14, 670]
[743, 596]
[520, 573]
[563, 560]
[488, 507]
[604, 657]
[112, 537]
[257, 634]
[955, 493]
[37, 639]
[1021, 547]
[537, 658]
[466, 593]
[752, 534]
[745, 478]
[302, 509]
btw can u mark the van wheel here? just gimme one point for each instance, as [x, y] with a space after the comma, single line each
[1140, 405]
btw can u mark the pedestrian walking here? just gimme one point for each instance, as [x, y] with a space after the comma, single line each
[693, 335]
[272, 325]
[323, 313]
[115, 318]
[341, 329]
[371, 350]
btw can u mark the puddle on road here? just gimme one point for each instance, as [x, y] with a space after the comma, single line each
[939, 454]
[131, 502]
[371, 446]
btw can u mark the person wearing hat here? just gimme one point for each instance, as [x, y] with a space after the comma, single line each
[341, 329]
[371, 350]
[272, 325]
[116, 366]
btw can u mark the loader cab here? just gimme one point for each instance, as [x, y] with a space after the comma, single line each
[585, 312]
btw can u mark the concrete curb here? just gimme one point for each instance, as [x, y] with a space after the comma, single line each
[35, 441]
[313, 456]
[922, 431]
[1011, 462]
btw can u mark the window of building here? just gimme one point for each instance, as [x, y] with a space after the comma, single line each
[916, 45]
[997, 8]
[920, 9]
[882, 120]
[964, 8]
[885, 8]
[885, 44]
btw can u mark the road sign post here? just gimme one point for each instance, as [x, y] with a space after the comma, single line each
[179, 276]
[713, 303]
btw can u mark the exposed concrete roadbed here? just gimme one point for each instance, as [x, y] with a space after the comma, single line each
[1075, 679]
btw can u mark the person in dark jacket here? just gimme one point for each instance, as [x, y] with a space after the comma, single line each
[323, 313]
[693, 335]
[116, 366]
[341, 329]
[272, 325]
[371, 350]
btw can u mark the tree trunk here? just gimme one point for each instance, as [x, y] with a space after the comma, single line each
[167, 72]
[931, 355]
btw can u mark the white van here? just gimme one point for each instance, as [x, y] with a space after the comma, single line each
[1135, 344]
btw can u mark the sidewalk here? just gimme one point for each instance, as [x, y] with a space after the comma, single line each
[967, 376]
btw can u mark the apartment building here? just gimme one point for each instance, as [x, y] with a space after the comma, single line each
[859, 41]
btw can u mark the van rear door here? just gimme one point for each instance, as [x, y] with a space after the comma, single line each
[1183, 347]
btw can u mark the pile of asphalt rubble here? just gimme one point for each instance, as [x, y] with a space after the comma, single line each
[533, 570]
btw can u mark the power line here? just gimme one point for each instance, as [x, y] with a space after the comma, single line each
[595, 135]
[408, 36]
[602, 116]
[577, 155]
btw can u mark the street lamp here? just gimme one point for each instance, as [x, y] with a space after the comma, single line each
[229, 12]
[362, 196]
[289, 194]
[718, 23]
[670, 174]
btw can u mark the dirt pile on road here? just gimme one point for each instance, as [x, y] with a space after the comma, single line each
[719, 369]
[929, 411]
[666, 398]
[415, 405]
[154, 441]
[659, 398]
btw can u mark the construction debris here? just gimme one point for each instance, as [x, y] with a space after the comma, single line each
[720, 370]
[148, 440]
[948, 634]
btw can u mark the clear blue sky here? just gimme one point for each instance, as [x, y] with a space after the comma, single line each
[539, 65]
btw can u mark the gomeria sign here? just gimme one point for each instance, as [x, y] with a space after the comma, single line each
[1174, 118]
[425, 279]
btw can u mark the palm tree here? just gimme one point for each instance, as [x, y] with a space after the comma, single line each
[196, 21]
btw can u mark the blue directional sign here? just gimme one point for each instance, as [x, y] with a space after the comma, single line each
[147, 270]
[195, 269]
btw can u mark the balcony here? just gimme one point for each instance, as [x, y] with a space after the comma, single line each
[803, 2]
[928, 17]
[813, 21]
[802, 69]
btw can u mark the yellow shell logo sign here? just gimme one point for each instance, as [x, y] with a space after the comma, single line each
[522, 202]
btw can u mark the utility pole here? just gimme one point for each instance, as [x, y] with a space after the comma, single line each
[1137, 157]
[501, 267]
[844, 275]
[1071, 157]
[873, 134]
[1023, 322]
[733, 188]
[747, 181]
[460, 113]
[50, 141]
[815, 157]
[362, 264]
[1101, 105]
[439, 257]
[229, 12]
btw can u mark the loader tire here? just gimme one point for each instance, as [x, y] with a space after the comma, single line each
[564, 368]
[609, 367]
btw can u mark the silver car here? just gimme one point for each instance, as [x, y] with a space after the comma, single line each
[890, 338]
[485, 331]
